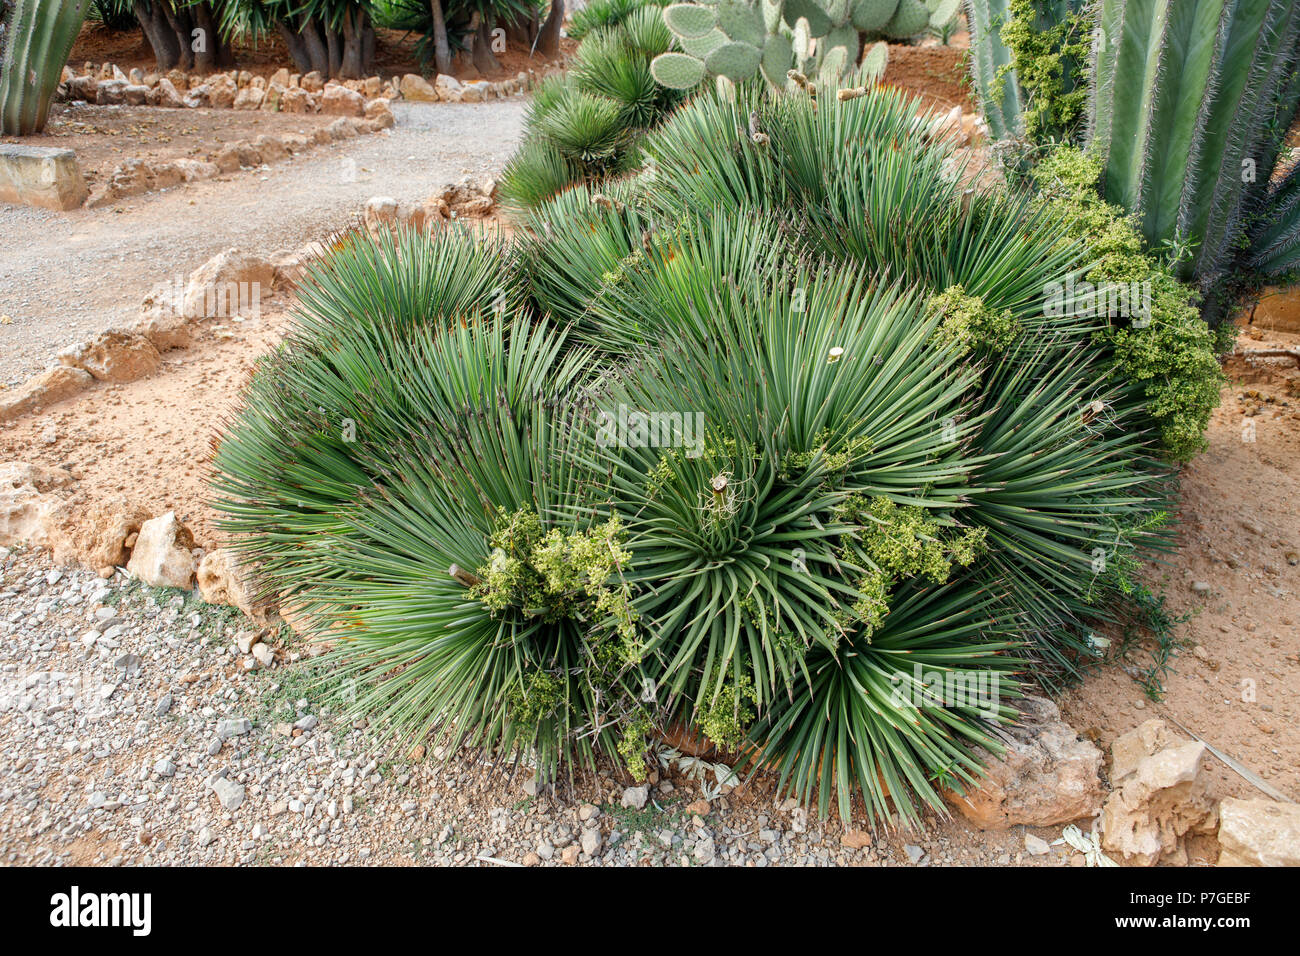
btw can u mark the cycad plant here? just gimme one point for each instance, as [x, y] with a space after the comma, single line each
[775, 440]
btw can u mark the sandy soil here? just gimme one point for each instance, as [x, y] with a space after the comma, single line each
[937, 73]
[1234, 681]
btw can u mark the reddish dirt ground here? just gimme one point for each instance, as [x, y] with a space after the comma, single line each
[937, 73]
[104, 137]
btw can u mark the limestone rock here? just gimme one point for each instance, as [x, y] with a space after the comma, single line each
[47, 388]
[84, 88]
[249, 98]
[417, 89]
[114, 356]
[274, 97]
[476, 92]
[380, 210]
[162, 554]
[295, 143]
[164, 175]
[297, 100]
[271, 149]
[193, 170]
[340, 101]
[1258, 833]
[26, 502]
[227, 159]
[1161, 793]
[448, 87]
[167, 95]
[94, 533]
[312, 82]
[198, 96]
[162, 320]
[291, 264]
[1047, 776]
[222, 91]
[230, 283]
[223, 580]
[380, 111]
[346, 127]
[40, 176]
[110, 92]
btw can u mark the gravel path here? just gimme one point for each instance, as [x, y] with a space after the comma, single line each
[135, 729]
[65, 276]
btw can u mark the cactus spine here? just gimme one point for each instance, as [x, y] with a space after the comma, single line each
[1027, 59]
[1189, 106]
[38, 40]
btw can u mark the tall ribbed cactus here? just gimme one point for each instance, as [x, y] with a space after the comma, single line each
[1190, 104]
[38, 38]
[1026, 60]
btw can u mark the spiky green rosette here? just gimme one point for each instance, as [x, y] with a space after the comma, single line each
[776, 438]
[584, 127]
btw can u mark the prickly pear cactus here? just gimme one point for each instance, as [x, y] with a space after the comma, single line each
[739, 39]
[909, 19]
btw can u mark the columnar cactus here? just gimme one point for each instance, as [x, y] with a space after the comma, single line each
[1187, 107]
[1027, 59]
[1190, 106]
[739, 39]
[37, 40]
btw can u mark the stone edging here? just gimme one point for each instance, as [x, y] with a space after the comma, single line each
[282, 91]
[172, 312]
[138, 176]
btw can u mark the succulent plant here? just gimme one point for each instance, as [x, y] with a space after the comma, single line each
[738, 39]
[37, 40]
[1187, 109]
[910, 18]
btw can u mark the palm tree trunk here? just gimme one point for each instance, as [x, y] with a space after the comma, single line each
[481, 51]
[441, 48]
[548, 38]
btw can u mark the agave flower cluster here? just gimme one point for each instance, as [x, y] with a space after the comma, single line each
[767, 442]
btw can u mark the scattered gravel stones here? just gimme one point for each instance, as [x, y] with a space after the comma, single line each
[182, 757]
[234, 727]
[229, 794]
